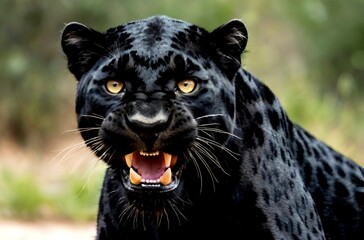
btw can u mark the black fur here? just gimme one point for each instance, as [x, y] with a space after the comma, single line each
[243, 169]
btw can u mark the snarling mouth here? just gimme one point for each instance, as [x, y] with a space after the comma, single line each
[150, 169]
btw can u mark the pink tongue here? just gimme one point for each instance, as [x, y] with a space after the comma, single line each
[149, 167]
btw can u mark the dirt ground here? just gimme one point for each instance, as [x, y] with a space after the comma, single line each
[11, 230]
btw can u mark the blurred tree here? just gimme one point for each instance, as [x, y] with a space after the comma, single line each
[332, 36]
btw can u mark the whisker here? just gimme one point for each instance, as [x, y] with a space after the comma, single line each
[216, 144]
[167, 218]
[209, 170]
[209, 124]
[177, 211]
[66, 152]
[88, 178]
[135, 217]
[143, 219]
[218, 131]
[88, 129]
[203, 151]
[159, 218]
[75, 130]
[210, 115]
[92, 140]
[206, 132]
[126, 209]
[110, 156]
[78, 130]
[105, 152]
[93, 115]
[198, 170]
[69, 153]
[210, 155]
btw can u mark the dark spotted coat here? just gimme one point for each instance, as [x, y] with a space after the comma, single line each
[243, 169]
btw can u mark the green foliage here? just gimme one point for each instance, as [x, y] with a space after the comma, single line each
[332, 36]
[20, 196]
[78, 199]
[27, 197]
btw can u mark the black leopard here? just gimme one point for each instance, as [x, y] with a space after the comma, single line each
[196, 146]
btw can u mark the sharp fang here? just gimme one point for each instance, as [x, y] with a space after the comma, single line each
[134, 177]
[167, 159]
[173, 161]
[129, 159]
[166, 178]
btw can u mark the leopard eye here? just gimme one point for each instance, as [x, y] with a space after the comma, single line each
[186, 86]
[114, 86]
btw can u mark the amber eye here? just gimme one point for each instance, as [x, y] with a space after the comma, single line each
[186, 86]
[114, 86]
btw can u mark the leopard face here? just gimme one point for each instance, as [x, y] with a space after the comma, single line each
[155, 104]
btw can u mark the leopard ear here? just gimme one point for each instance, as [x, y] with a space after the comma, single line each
[82, 46]
[230, 41]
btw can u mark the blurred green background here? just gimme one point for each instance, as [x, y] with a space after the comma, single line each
[310, 53]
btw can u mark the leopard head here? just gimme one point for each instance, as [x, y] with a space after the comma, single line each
[156, 101]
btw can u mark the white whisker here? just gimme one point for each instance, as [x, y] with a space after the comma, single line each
[210, 115]
[195, 162]
[209, 170]
[216, 144]
[93, 115]
[167, 218]
[205, 129]
[210, 155]
[66, 152]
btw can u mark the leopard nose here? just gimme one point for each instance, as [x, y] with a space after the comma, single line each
[148, 126]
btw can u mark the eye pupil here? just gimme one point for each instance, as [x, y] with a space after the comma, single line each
[186, 86]
[114, 86]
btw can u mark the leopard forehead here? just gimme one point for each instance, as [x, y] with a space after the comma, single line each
[156, 36]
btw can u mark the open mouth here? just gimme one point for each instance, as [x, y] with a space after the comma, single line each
[150, 169]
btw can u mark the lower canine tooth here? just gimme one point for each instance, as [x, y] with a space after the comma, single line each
[135, 178]
[166, 178]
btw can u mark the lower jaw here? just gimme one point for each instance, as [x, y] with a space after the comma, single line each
[148, 187]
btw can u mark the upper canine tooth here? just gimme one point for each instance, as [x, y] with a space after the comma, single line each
[167, 159]
[173, 161]
[129, 159]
